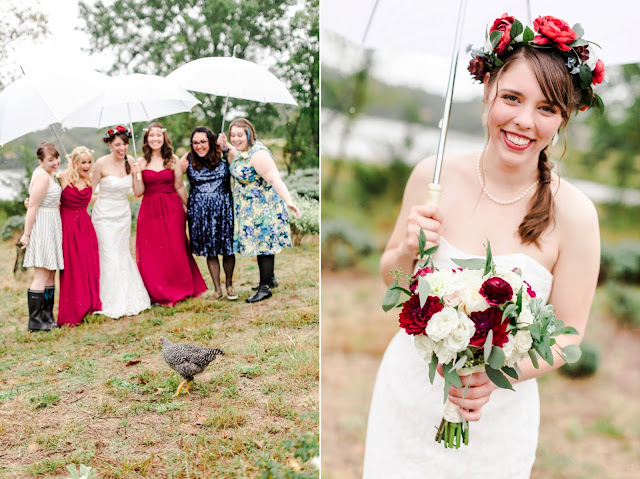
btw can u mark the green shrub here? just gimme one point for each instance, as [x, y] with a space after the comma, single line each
[344, 244]
[13, 225]
[309, 221]
[624, 302]
[620, 262]
[13, 208]
[588, 363]
[304, 182]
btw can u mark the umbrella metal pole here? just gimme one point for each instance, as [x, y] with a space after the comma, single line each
[64, 150]
[224, 112]
[434, 190]
[133, 137]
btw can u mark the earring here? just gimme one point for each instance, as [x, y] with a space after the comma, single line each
[554, 141]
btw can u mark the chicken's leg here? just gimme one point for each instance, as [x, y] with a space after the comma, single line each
[186, 391]
[179, 388]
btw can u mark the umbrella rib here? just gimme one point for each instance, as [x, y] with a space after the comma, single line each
[366, 30]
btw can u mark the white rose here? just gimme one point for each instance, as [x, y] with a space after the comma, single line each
[442, 324]
[452, 300]
[507, 349]
[444, 354]
[525, 318]
[460, 337]
[522, 342]
[441, 283]
[473, 302]
[593, 57]
[424, 345]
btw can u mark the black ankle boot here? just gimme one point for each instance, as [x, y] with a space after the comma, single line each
[47, 313]
[263, 292]
[272, 284]
[37, 321]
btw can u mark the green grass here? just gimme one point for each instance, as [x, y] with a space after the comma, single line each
[101, 395]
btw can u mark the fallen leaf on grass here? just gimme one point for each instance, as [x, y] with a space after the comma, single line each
[33, 447]
[133, 362]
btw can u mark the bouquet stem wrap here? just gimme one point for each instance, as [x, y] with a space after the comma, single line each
[454, 430]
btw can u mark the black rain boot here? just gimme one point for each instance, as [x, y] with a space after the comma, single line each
[263, 292]
[273, 283]
[49, 294]
[37, 321]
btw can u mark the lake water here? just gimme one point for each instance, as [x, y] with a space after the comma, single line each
[9, 183]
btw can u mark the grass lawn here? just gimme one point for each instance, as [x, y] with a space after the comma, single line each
[100, 394]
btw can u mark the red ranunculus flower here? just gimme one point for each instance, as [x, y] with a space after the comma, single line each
[110, 131]
[583, 52]
[530, 290]
[478, 67]
[489, 320]
[413, 318]
[502, 24]
[553, 31]
[496, 291]
[421, 272]
[598, 73]
[120, 128]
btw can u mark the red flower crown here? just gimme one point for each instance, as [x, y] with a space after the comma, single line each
[111, 133]
[508, 33]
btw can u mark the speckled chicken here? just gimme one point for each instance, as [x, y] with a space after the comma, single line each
[187, 360]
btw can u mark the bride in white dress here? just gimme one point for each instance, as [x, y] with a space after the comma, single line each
[534, 221]
[122, 291]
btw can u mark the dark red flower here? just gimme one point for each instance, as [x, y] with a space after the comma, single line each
[110, 131]
[413, 318]
[532, 293]
[553, 31]
[489, 320]
[120, 128]
[583, 52]
[496, 291]
[478, 67]
[502, 24]
[421, 272]
[598, 73]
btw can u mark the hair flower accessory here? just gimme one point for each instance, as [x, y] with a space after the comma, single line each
[111, 133]
[507, 33]
[154, 128]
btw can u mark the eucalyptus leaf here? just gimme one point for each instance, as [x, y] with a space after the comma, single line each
[447, 384]
[519, 300]
[544, 349]
[536, 330]
[566, 330]
[496, 358]
[422, 242]
[433, 366]
[516, 28]
[432, 250]
[579, 30]
[528, 35]
[489, 260]
[498, 378]
[571, 353]
[579, 43]
[471, 263]
[599, 103]
[460, 362]
[488, 343]
[423, 290]
[511, 308]
[451, 375]
[517, 368]
[585, 75]
[495, 37]
[391, 297]
[401, 289]
[510, 371]
[534, 358]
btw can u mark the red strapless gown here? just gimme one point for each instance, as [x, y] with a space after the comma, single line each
[80, 278]
[164, 258]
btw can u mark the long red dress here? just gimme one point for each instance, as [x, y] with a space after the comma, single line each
[164, 258]
[80, 278]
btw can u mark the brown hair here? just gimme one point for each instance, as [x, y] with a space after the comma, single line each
[125, 138]
[562, 90]
[212, 159]
[166, 151]
[77, 152]
[46, 147]
[249, 130]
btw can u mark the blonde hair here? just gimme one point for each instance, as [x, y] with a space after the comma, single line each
[76, 154]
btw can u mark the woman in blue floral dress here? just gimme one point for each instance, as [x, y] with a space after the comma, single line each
[210, 208]
[261, 199]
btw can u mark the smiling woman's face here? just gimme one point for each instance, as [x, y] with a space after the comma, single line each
[200, 143]
[119, 148]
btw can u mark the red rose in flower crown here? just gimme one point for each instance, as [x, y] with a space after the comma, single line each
[553, 31]
[413, 318]
[496, 291]
[121, 129]
[489, 320]
[598, 73]
[502, 24]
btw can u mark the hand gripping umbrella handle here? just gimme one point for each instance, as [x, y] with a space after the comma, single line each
[434, 191]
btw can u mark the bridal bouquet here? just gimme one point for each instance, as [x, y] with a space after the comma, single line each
[478, 317]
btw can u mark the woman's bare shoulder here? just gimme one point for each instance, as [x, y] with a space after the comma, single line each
[452, 167]
[573, 208]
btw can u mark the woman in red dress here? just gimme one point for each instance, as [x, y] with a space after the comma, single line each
[80, 279]
[164, 258]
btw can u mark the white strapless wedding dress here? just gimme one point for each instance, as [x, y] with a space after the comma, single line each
[406, 409]
[122, 291]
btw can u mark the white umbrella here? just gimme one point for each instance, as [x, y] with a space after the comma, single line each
[232, 77]
[132, 98]
[440, 28]
[37, 100]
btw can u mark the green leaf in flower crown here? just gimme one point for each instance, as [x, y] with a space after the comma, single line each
[510, 372]
[391, 297]
[516, 29]
[498, 378]
[495, 37]
[423, 290]
[571, 353]
[489, 260]
[579, 30]
[534, 358]
[497, 62]
[579, 43]
[528, 35]
[599, 103]
[433, 365]
[585, 75]
[422, 242]
[451, 375]
[496, 358]
[488, 345]
[471, 263]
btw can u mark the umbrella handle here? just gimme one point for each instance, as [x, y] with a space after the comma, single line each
[434, 191]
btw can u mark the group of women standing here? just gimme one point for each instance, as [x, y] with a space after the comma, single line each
[97, 249]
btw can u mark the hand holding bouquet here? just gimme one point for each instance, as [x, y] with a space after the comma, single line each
[475, 318]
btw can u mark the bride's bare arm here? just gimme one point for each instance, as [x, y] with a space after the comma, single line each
[402, 248]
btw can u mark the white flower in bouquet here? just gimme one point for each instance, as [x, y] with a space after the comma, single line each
[425, 346]
[445, 355]
[443, 324]
[525, 318]
[441, 282]
[474, 302]
[522, 342]
[454, 299]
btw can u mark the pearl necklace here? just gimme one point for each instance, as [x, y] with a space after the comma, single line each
[496, 200]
